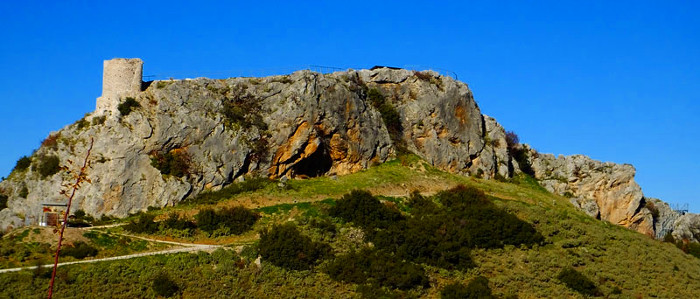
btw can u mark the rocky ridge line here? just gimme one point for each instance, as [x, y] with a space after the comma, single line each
[308, 124]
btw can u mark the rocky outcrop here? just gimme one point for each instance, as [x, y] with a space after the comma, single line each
[687, 228]
[303, 125]
[664, 216]
[610, 186]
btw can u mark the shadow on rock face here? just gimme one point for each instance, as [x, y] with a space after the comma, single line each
[316, 164]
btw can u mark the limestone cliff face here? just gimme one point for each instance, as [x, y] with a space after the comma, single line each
[604, 190]
[302, 125]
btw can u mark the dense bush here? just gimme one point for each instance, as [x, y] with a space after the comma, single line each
[236, 220]
[79, 250]
[478, 288]
[443, 235]
[377, 267]
[390, 116]
[669, 238]
[48, 165]
[519, 153]
[144, 224]
[286, 247]
[3, 201]
[174, 221]
[82, 123]
[691, 248]
[486, 225]
[162, 285]
[364, 210]
[243, 111]
[127, 106]
[80, 219]
[578, 282]
[23, 192]
[23, 163]
[175, 162]
[98, 120]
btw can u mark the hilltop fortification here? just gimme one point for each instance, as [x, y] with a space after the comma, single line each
[122, 77]
[179, 138]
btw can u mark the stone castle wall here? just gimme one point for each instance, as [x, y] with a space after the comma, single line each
[121, 77]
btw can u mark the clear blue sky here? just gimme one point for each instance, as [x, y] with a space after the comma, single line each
[615, 80]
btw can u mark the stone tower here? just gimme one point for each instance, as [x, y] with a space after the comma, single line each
[122, 77]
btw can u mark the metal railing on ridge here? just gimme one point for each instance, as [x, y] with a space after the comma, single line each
[265, 72]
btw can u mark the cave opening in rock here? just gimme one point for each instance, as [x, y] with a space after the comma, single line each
[316, 164]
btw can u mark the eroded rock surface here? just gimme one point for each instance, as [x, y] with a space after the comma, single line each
[303, 125]
[611, 186]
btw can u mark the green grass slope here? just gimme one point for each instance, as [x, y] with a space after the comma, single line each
[619, 263]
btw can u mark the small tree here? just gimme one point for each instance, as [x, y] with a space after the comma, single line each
[23, 163]
[127, 106]
[49, 165]
[519, 153]
[144, 224]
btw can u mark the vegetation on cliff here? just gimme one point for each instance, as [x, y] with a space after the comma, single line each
[541, 240]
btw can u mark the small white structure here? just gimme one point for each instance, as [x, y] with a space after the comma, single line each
[121, 77]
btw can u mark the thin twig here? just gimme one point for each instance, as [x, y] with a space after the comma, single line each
[81, 177]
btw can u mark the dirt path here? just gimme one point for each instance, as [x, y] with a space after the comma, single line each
[185, 247]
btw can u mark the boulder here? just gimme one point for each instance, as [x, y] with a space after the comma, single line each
[687, 227]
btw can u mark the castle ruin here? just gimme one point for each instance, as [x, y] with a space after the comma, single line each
[122, 77]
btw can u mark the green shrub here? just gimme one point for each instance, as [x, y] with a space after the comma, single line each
[243, 111]
[82, 123]
[443, 235]
[80, 219]
[79, 250]
[174, 221]
[3, 201]
[669, 238]
[284, 246]
[478, 288]
[236, 220]
[162, 285]
[48, 165]
[23, 192]
[175, 162]
[694, 249]
[390, 116]
[486, 225]
[98, 120]
[519, 153]
[377, 267]
[578, 282]
[691, 248]
[364, 210]
[127, 106]
[144, 224]
[23, 163]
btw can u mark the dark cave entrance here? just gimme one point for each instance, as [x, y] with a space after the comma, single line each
[317, 164]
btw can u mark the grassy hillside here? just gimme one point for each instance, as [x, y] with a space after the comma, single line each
[618, 262]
